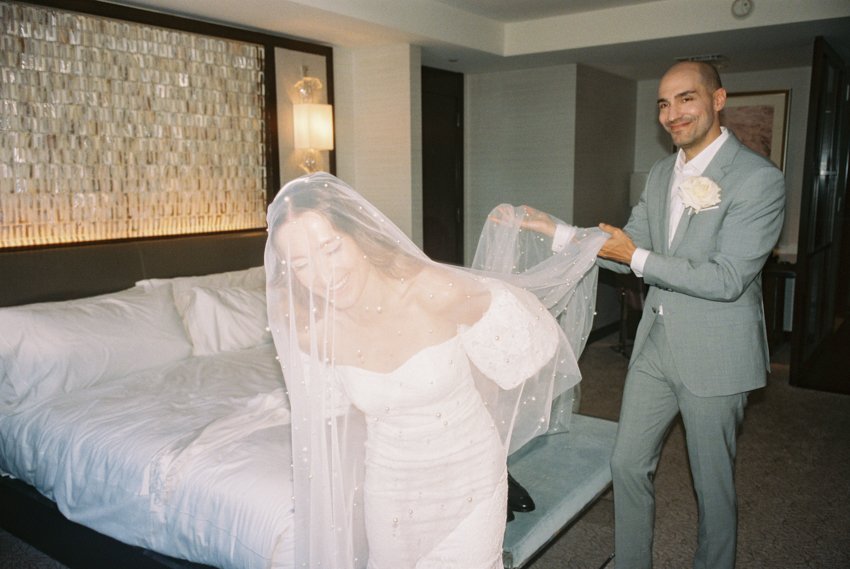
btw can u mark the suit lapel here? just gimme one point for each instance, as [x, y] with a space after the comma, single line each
[720, 166]
[666, 175]
[681, 229]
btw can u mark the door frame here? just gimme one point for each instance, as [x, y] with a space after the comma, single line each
[803, 351]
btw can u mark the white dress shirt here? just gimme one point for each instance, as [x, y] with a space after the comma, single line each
[683, 170]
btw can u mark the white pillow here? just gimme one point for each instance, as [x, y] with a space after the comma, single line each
[226, 319]
[253, 278]
[55, 347]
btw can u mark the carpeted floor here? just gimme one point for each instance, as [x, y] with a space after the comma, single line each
[793, 478]
[15, 554]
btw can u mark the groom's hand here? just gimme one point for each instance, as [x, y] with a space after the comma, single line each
[619, 247]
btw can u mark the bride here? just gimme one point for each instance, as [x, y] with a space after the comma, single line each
[409, 381]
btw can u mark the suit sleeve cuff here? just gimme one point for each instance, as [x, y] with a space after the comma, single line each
[639, 258]
[563, 234]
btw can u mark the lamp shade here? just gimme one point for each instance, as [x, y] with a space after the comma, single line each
[313, 126]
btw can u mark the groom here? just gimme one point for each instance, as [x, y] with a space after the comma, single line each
[699, 236]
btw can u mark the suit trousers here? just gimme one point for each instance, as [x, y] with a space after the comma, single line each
[653, 396]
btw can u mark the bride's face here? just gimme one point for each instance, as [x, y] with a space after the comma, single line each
[323, 259]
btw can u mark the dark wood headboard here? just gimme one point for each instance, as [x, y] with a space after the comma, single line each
[61, 273]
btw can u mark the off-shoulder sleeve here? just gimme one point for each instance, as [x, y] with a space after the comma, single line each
[514, 338]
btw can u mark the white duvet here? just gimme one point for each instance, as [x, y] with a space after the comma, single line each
[191, 459]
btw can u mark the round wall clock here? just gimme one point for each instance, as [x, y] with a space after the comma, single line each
[742, 8]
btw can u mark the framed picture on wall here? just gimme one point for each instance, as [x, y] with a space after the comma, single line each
[760, 121]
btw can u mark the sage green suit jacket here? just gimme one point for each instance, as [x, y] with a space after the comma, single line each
[709, 279]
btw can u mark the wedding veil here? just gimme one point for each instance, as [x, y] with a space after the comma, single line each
[564, 279]
[316, 287]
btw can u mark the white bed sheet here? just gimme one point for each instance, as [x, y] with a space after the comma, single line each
[191, 459]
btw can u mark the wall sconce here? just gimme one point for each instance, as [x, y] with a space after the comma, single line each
[312, 122]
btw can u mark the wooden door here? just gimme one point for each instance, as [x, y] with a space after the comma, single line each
[442, 165]
[821, 212]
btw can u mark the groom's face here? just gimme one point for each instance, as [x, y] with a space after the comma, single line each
[688, 110]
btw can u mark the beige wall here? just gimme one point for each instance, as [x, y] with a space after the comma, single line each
[379, 129]
[604, 150]
[520, 130]
[558, 138]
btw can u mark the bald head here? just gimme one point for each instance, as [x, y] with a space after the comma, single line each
[709, 77]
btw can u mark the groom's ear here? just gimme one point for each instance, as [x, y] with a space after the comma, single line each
[719, 99]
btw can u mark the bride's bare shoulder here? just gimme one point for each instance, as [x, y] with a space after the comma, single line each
[451, 292]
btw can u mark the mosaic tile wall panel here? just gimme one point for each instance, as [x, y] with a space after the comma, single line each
[112, 130]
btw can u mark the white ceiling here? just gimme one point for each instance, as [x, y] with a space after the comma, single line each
[633, 38]
[520, 10]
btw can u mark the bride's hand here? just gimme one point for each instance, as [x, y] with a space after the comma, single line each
[536, 220]
[532, 219]
[502, 215]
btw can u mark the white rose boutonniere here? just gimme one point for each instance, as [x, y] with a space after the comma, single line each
[699, 193]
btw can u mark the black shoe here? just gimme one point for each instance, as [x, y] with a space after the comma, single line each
[518, 498]
[510, 516]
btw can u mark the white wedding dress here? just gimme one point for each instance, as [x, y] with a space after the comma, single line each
[406, 468]
[435, 488]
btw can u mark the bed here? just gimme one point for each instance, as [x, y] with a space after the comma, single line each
[145, 403]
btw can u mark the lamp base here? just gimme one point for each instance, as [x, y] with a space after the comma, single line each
[310, 161]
